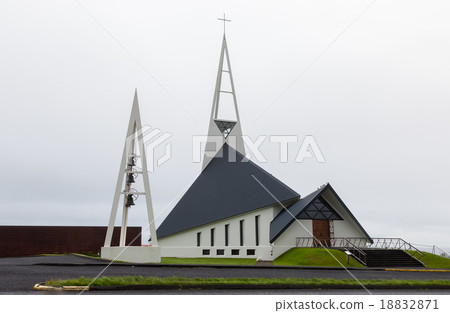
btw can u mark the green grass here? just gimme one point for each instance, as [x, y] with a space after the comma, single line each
[212, 261]
[434, 261]
[181, 281]
[315, 257]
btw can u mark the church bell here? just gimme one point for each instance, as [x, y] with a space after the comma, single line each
[132, 161]
[130, 178]
[130, 201]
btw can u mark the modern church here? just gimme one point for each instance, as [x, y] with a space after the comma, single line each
[235, 209]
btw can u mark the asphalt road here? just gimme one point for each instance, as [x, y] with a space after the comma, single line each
[18, 275]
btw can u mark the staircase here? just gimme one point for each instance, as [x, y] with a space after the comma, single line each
[390, 258]
[374, 252]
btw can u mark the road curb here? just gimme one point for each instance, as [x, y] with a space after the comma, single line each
[42, 287]
[323, 268]
[212, 266]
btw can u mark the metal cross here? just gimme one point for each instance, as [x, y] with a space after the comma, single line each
[224, 20]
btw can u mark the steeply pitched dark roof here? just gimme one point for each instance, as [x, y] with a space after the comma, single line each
[224, 189]
[286, 217]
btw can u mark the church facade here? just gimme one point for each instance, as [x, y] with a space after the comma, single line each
[235, 209]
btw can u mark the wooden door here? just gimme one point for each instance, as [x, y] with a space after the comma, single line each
[321, 232]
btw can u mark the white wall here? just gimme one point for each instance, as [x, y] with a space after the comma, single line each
[287, 240]
[132, 254]
[184, 244]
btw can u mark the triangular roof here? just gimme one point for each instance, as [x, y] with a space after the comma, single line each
[286, 217]
[224, 189]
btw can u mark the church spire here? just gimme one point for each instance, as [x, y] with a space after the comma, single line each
[223, 130]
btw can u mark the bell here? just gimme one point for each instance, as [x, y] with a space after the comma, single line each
[130, 201]
[132, 161]
[130, 179]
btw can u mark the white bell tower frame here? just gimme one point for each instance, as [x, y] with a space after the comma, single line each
[134, 141]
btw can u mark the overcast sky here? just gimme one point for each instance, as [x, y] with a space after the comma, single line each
[369, 80]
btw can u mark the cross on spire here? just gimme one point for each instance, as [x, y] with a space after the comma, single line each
[224, 21]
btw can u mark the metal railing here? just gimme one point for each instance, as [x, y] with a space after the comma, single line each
[438, 251]
[357, 253]
[337, 242]
[396, 243]
[362, 243]
[433, 249]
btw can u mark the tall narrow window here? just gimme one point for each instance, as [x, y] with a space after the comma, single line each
[227, 226]
[241, 232]
[198, 238]
[257, 230]
[212, 237]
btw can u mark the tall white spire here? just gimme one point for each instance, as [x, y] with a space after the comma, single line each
[223, 130]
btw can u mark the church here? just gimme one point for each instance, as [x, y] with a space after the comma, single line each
[235, 209]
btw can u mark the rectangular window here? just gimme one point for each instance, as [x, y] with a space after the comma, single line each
[212, 237]
[250, 251]
[227, 227]
[220, 252]
[241, 232]
[199, 235]
[235, 252]
[257, 230]
[205, 252]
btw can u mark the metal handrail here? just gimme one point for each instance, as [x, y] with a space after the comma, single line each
[339, 242]
[360, 255]
[438, 251]
[397, 243]
[361, 242]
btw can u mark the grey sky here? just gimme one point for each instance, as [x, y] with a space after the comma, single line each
[377, 102]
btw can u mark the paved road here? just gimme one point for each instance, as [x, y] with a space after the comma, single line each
[18, 275]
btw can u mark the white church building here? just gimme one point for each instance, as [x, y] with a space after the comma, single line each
[235, 209]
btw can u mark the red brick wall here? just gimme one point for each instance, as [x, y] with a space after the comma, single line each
[32, 240]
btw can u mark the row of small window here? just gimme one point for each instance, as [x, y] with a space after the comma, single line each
[233, 252]
[227, 228]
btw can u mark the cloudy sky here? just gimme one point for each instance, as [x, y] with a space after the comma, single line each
[368, 79]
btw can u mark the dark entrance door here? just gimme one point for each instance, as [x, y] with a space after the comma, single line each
[321, 232]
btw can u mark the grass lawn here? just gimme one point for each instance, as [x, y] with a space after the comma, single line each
[224, 261]
[315, 257]
[434, 261]
[182, 281]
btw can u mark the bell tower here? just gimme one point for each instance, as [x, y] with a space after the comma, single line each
[223, 130]
[128, 172]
